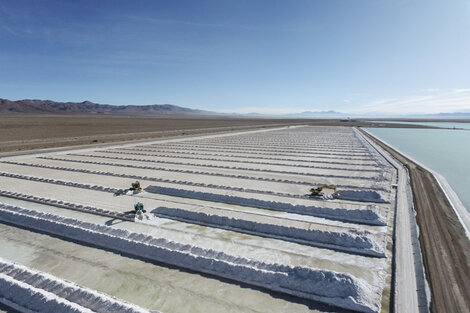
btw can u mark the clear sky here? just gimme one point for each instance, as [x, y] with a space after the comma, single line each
[392, 56]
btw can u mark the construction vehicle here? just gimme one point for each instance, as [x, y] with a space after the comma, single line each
[319, 191]
[139, 208]
[135, 187]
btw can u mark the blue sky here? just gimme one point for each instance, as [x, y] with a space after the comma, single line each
[268, 56]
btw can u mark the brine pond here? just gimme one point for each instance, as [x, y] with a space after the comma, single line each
[452, 125]
[446, 151]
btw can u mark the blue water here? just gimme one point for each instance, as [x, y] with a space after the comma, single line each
[434, 124]
[443, 150]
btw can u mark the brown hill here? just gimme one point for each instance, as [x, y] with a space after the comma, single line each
[28, 106]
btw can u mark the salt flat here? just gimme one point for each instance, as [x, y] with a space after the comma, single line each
[237, 201]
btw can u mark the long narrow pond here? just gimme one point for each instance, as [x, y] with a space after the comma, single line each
[446, 151]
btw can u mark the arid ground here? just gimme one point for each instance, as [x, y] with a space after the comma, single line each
[19, 133]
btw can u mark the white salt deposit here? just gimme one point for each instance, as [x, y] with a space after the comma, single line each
[29, 289]
[338, 289]
[342, 241]
[366, 216]
[247, 185]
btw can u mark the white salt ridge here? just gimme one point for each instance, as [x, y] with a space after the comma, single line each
[267, 150]
[221, 153]
[351, 156]
[356, 195]
[30, 290]
[362, 196]
[286, 181]
[351, 169]
[375, 185]
[60, 182]
[169, 181]
[210, 159]
[67, 205]
[367, 216]
[341, 241]
[218, 153]
[338, 289]
[29, 299]
[252, 147]
[310, 174]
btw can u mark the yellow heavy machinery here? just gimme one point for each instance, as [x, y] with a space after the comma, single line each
[135, 187]
[319, 191]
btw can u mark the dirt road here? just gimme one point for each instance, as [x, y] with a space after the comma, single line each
[446, 249]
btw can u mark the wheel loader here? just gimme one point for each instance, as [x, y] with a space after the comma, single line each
[135, 187]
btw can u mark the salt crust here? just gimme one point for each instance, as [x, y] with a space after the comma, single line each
[366, 216]
[341, 241]
[32, 290]
[338, 289]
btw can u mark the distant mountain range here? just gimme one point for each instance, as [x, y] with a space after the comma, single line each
[87, 107]
[454, 115]
[318, 114]
[306, 114]
[28, 106]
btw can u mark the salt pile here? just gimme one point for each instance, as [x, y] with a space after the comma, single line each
[341, 241]
[29, 290]
[339, 289]
[365, 216]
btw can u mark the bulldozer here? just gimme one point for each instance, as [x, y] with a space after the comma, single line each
[319, 191]
[135, 187]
